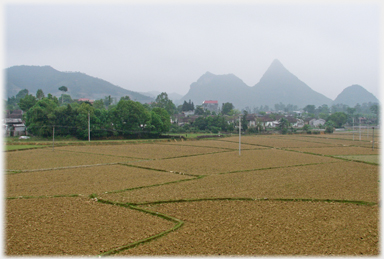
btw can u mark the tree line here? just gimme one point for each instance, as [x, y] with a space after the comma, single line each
[126, 118]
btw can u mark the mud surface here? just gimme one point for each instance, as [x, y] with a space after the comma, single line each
[267, 228]
[73, 226]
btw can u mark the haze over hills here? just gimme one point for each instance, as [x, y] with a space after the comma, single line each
[49, 80]
[175, 97]
[355, 94]
[223, 88]
[276, 85]
[279, 85]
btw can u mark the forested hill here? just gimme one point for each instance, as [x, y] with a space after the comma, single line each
[49, 80]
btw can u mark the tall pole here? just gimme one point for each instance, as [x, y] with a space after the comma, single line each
[353, 128]
[359, 128]
[89, 128]
[53, 138]
[239, 135]
[373, 137]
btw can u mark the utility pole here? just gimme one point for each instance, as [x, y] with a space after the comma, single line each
[239, 135]
[353, 128]
[89, 128]
[53, 138]
[373, 137]
[359, 128]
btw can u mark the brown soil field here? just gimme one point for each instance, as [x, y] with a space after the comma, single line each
[279, 142]
[334, 151]
[84, 181]
[310, 141]
[73, 226]
[217, 144]
[39, 224]
[267, 228]
[231, 161]
[46, 158]
[343, 180]
[336, 141]
[143, 151]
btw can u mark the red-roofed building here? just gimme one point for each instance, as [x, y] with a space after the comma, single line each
[211, 105]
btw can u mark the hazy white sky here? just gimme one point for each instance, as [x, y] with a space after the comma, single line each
[168, 46]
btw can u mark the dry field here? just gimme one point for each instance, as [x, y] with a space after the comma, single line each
[284, 195]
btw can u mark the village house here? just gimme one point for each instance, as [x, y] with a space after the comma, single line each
[210, 105]
[316, 122]
[13, 124]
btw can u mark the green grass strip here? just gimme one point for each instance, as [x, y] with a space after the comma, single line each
[155, 185]
[179, 222]
[257, 199]
[274, 167]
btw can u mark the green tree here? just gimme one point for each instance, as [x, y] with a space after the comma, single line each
[338, 118]
[309, 109]
[99, 104]
[41, 117]
[329, 127]
[27, 102]
[226, 108]
[187, 106]
[199, 110]
[164, 118]
[162, 101]
[63, 89]
[21, 94]
[283, 125]
[130, 118]
[65, 98]
[40, 94]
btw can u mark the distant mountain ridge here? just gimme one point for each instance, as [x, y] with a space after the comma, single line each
[276, 85]
[355, 94]
[49, 80]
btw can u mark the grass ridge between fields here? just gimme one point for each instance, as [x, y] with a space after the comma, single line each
[180, 223]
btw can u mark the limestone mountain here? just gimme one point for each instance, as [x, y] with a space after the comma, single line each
[276, 85]
[279, 85]
[223, 88]
[353, 95]
[49, 80]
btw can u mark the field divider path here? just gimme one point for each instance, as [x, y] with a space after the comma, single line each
[180, 223]
[308, 153]
[275, 167]
[196, 177]
[101, 154]
[331, 156]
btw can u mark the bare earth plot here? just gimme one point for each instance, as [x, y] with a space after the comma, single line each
[143, 151]
[284, 202]
[267, 228]
[231, 161]
[339, 150]
[338, 181]
[280, 141]
[73, 226]
[84, 181]
[46, 158]
[219, 143]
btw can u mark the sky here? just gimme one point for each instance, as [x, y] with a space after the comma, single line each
[166, 46]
